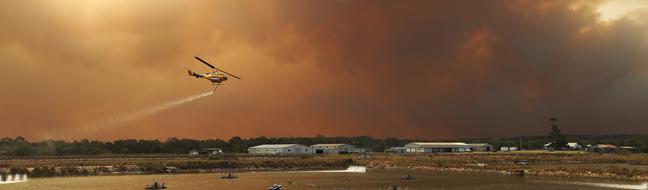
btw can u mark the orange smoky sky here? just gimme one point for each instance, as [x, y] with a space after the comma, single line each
[410, 69]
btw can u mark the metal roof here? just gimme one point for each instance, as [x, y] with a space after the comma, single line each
[212, 149]
[480, 144]
[438, 144]
[329, 144]
[275, 145]
[570, 144]
[604, 146]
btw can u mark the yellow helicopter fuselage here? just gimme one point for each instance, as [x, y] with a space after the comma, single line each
[215, 77]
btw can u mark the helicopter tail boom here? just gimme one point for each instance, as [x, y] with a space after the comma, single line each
[191, 73]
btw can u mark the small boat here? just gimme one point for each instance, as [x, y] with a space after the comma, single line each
[394, 187]
[229, 176]
[275, 187]
[408, 177]
[521, 162]
[155, 186]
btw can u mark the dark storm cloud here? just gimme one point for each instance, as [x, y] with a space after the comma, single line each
[425, 69]
[479, 68]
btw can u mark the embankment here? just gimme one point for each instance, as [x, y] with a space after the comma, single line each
[572, 164]
[154, 165]
[617, 166]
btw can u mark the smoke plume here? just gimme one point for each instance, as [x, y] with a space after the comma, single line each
[416, 68]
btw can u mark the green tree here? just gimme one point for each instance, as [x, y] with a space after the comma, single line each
[557, 139]
[237, 144]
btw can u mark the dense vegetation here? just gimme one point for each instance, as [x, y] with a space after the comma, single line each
[186, 166]
[20, 147]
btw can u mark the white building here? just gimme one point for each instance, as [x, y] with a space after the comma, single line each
[570, 146]
[428, 147]
[332, 148]
[399, 150]
[361, 150]
[193, 153]
[280, 149]
[212, 151]
[508, 148]
[574, 146]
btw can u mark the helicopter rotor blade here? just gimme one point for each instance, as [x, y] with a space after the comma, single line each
[205, 62]
[229, 74]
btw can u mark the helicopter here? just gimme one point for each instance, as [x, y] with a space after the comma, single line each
[216, 77]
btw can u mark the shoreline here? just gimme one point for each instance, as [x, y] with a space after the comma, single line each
[526, 172]
[604, 166]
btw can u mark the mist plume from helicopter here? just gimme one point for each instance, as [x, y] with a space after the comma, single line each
[98, 125]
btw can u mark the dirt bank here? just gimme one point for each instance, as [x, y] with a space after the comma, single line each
[617, 166]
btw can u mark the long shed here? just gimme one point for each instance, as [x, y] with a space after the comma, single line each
[280, 149]
[431, 147]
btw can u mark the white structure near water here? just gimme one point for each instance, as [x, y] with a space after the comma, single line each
[432, 147]
[16, 178]
[281, 149]
[350, 169]
[508, 148]
[570, 146]
[332, 148]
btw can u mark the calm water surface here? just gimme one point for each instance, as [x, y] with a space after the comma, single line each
[374, 180]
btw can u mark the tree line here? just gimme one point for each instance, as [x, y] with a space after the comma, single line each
[20, 147]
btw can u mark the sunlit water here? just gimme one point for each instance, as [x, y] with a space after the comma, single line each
[373, 179]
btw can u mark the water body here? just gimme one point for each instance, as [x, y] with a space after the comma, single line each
[373, 179]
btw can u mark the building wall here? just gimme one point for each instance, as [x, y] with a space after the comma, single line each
[345, 148]
[437, 149]
[297, 149]
[482, 148]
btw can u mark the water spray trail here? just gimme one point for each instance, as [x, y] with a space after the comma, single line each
[123, 119]
[642, 186]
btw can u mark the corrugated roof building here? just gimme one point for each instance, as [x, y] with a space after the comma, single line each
[280, 149]
[332, 148]
[432, 147]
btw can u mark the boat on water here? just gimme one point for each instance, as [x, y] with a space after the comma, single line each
[408, 177]
[275, 187]
[394, 187]
[229, 176]
[155, 186]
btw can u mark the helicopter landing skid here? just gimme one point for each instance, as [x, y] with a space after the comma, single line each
[216, 87]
